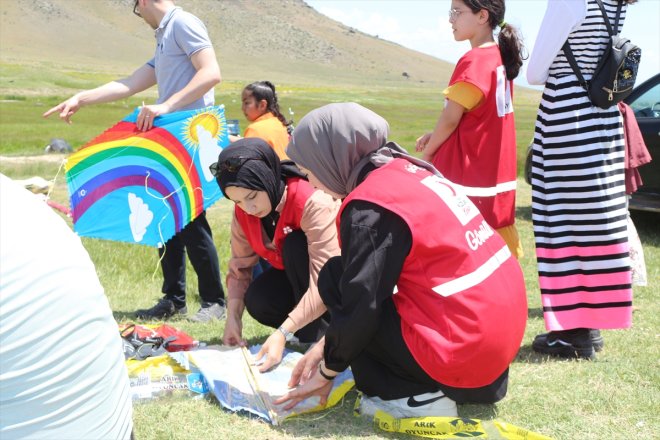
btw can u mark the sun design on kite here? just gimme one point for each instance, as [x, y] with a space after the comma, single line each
[201, 134]
[211, 121]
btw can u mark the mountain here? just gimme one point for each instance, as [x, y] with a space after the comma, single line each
[280, 40]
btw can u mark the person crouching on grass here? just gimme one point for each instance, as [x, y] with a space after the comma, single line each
[280, 217]
[427, 305]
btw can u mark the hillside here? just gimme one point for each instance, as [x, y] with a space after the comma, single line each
[282, 40]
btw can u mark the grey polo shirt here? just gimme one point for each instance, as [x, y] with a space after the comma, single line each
[179, 35]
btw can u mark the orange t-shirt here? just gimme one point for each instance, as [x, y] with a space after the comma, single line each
[270, 129]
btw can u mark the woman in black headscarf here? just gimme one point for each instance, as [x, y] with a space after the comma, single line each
[427, 305]
[280, 217]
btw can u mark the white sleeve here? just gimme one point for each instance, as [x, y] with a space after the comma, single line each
[561, 18]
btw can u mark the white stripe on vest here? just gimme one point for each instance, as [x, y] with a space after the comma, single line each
[474, 278]
[474, 191]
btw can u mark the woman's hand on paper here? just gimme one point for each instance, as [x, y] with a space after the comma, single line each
[307, 365]
[316, 385]
[271, 351]
[306, 378]
[233, 331]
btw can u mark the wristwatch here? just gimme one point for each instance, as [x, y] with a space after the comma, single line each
[287, 334]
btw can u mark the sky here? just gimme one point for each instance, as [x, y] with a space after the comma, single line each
[423, 25]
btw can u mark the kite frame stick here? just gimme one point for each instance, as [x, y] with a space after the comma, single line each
[252, 378]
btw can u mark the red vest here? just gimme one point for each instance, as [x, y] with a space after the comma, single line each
[480, 154]
[298, 191]
[461, 295]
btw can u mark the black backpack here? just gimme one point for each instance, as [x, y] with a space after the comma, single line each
[615, 74]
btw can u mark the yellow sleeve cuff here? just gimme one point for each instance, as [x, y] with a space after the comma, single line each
[465, 94]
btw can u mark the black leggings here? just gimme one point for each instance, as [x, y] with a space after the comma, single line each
[197, 240]
[386, 368]
[275, 293]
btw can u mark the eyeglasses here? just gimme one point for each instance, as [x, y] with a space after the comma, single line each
[454, 13]
[136, 8]
[232, 165]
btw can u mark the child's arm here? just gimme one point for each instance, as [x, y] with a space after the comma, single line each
[447, 123]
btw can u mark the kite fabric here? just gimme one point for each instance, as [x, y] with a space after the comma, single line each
[144, 187]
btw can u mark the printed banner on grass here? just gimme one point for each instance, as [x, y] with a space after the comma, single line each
[240, 387]
[446, 428]
[144, 187]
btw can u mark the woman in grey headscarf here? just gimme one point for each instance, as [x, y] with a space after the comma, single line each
[427, 306]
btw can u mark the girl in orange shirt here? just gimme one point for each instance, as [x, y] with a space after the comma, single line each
[261, 108]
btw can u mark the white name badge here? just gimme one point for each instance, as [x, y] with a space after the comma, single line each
[454, 198]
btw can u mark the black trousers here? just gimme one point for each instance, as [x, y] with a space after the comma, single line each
[386, 368]
[196, 238]
[275, 293]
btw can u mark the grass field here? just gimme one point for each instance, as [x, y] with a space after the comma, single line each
[28, 91]
[615, 397]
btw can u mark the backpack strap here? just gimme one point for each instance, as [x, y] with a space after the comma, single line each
[576, 69]
[606, 19]
[569, 53]
[616, 21]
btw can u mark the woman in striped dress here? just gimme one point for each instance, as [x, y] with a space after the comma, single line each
[578, 193]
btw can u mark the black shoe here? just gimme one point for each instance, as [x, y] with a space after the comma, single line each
[570, 344]
[165, 308]
[596, 339]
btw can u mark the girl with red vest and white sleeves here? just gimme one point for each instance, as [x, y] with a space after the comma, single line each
[280, 217]
[474, 141]
[427, 305]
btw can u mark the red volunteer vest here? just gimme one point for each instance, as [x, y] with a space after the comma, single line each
[298, 191]
[480, 154]
[461, 295]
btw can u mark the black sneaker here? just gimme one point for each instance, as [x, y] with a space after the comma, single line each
[570, 344]
[165, 308]
[596, 339]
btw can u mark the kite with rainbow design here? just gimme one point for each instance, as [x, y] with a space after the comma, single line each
[144, 187]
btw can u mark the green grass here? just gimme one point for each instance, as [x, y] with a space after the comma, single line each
[615, 397]
[411, 109]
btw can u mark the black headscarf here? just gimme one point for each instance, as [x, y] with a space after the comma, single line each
[252, 164]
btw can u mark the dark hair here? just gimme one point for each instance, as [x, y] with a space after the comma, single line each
[266, 90]
[508, 40]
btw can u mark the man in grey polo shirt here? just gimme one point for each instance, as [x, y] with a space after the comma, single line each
[185, 68]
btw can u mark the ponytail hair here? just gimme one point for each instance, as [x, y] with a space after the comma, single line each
[511, 49]
[266, 90]
[509, 39]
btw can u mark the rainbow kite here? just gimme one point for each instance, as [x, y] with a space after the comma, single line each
[144, 187]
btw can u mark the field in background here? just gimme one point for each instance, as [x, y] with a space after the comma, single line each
[410, 108]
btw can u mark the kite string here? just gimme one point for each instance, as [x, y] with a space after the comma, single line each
[162, 254]
[160, 222]
[54, 180]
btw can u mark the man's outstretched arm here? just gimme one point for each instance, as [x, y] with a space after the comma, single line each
[140, 80]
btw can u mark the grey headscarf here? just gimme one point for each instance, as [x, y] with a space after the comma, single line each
[335, 141]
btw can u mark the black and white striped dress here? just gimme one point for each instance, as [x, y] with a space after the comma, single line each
[578, 194]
